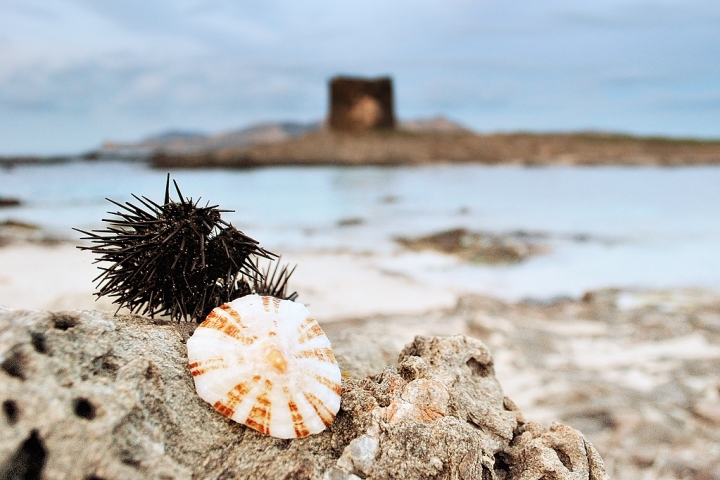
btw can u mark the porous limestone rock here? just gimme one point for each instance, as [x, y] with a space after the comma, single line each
[89, 395]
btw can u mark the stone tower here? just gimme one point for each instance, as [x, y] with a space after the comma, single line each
[358, 104]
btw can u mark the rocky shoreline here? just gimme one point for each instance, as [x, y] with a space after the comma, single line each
[411, 147]
[421, 148]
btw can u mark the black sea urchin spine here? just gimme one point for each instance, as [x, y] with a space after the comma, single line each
[176, 259]
[273, 282]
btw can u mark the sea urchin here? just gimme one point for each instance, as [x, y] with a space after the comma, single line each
[177, 259]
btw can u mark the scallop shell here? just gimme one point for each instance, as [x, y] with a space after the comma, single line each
[266, 363]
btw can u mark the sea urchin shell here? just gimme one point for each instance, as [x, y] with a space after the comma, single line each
[266, 363]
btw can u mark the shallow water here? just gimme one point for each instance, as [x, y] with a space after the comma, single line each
[606, 226]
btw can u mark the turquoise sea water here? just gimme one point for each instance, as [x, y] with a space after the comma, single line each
[606, 226]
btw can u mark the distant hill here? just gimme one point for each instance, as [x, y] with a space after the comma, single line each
[179, 142]
[173, 135]
[182, 142]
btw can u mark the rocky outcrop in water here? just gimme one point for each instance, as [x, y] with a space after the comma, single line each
[90, 395]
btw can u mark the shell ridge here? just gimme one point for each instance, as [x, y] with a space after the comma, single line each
[266, 304]
[311, 419]
[276, 304]
[317, 342]
[221, 320]
[310, 368]
[332, 386]
[321, 354]
[201, 367]
[234, 314]
[297, 418]
[210, 338]
[261, 411]
[323, 412]
[308, 330]
[236, 396]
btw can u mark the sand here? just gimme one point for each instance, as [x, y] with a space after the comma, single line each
[335, 286]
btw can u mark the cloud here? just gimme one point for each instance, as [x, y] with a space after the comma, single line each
[115, 70]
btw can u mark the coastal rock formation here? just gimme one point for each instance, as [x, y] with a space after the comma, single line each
[358, 104]
[14, 232]
[397, 147]
[479, 247]
[9, 202]
[91, 395]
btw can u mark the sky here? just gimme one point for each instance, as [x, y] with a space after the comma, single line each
[75, 73]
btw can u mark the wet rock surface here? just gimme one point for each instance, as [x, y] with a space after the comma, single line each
[14, 232]
[9, 202]
[479, 247]
[90, 395]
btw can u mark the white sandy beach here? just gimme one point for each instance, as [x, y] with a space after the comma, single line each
[336, 286]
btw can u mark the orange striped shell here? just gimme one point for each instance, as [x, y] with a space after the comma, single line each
[266, 363]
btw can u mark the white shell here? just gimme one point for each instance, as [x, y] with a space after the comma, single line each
[266, 363]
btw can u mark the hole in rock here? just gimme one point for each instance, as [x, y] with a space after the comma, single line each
[84, 409]
[63, 321]
[501, 464]
[38, 342]
[93, 477]
[126, 457]
[11, 411]
[28, 461]
[478, 368]
[15, 364]
[105, 365]
[564, 458]
[152, 372]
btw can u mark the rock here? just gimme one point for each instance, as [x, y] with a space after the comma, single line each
[15, 232]
[90, 395]
[359, 356]
[479, 247]
[709, 411]
[710, 473]
[9, 202]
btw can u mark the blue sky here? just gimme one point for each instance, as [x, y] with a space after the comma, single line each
[74, 73]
